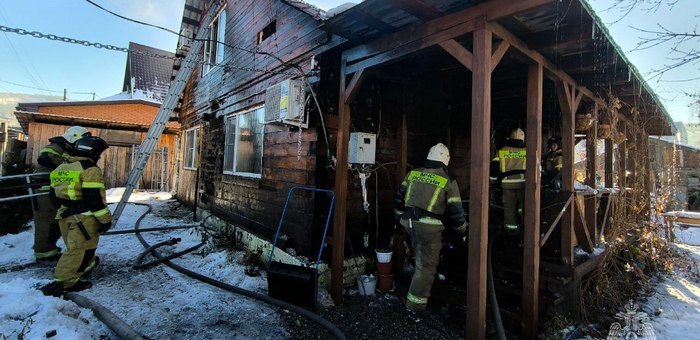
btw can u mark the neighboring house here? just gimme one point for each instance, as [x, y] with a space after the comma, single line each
[122, 122]
[389, 80]
[681, 172]
[12, 143]
[148, 70]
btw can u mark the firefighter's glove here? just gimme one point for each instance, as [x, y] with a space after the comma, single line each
[105, 227]
[462, 229]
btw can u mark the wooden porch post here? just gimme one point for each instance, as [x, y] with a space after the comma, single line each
[609, 162]
[591, 170]
[479, 180]
[345, 95]
[569, 100]
[622, 169]
[531, 255]
[341, 189]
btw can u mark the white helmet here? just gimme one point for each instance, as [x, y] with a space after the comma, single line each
[440, 153]
[74, 133]
[517, 134]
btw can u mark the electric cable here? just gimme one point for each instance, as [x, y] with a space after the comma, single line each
[253, 295]
[47, 90]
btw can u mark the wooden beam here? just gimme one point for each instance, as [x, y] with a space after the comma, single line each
[568, 105]
[402, 156]
[585, 240]
[622, 168]
[501, 50]
[459, 52]
[591, 168]
[531, 255]
[564, 208]
[479, 190]
[555, 73]
[490, 10]
[341, 190]
[354, 86]
[397, 53]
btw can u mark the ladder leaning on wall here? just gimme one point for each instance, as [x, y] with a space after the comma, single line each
[166, 110]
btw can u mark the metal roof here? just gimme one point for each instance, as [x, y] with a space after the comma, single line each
[568, 33]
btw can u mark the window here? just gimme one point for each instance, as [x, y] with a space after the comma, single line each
[213, 47]
[244, 143]
[191, 149]
[266, 32]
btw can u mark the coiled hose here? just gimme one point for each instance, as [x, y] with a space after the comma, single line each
[263, 298]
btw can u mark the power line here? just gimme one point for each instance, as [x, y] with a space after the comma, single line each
[40, 89]
[204, 40]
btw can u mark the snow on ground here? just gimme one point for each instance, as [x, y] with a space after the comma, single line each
[677, 298]
[159, 302]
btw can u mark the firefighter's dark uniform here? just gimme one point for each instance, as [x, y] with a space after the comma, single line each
[79, 188]
[427, 196]
[552, 165]
[511, 157]
[46, 230]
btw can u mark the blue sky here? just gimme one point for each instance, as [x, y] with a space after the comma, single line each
[52, 65]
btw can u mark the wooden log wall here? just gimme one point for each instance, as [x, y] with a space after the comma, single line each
[116, 161]
[251, 203]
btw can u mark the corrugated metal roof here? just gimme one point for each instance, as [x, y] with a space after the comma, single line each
[147, 71]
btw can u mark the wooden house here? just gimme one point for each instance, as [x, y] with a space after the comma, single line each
[122, 121]
[402, 75]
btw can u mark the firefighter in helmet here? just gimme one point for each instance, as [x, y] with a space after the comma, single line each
[511, 159]
[78, 190]
[46, 231]
[426, 197]
[552, 162]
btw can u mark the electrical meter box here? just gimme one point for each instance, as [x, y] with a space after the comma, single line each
[362, 148]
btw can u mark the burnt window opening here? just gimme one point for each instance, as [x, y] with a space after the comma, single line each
[268, 31]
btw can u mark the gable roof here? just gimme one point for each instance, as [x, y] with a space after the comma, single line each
[148, 71]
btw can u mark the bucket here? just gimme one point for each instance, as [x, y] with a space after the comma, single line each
[384, 268]
[385, 283]
[383, 256]
[366, 284]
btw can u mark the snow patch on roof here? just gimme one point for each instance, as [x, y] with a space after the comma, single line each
[339, 9]
[137, 94]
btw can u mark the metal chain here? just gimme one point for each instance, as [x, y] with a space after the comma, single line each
[54, 37]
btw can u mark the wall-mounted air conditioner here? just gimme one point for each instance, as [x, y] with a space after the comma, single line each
[284, 103]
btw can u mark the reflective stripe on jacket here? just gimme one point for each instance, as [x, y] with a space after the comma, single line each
[433, 191]
[511, 158]
[79, 182]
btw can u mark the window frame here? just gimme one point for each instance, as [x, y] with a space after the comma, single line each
[227, 143]
[218, 35]
[191, 164]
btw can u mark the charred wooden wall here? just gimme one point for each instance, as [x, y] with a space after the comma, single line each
[238, 84]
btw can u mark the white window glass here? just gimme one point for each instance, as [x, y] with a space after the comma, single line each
[244, 143]
[213, 47]
[191, 159]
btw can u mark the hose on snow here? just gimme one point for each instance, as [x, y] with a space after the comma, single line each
[119, 327]
[330, 327]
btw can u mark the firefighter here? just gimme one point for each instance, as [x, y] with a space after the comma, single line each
[426, 197]
[511, 157]
[552, 162]
[78, 190]
[46, 230]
